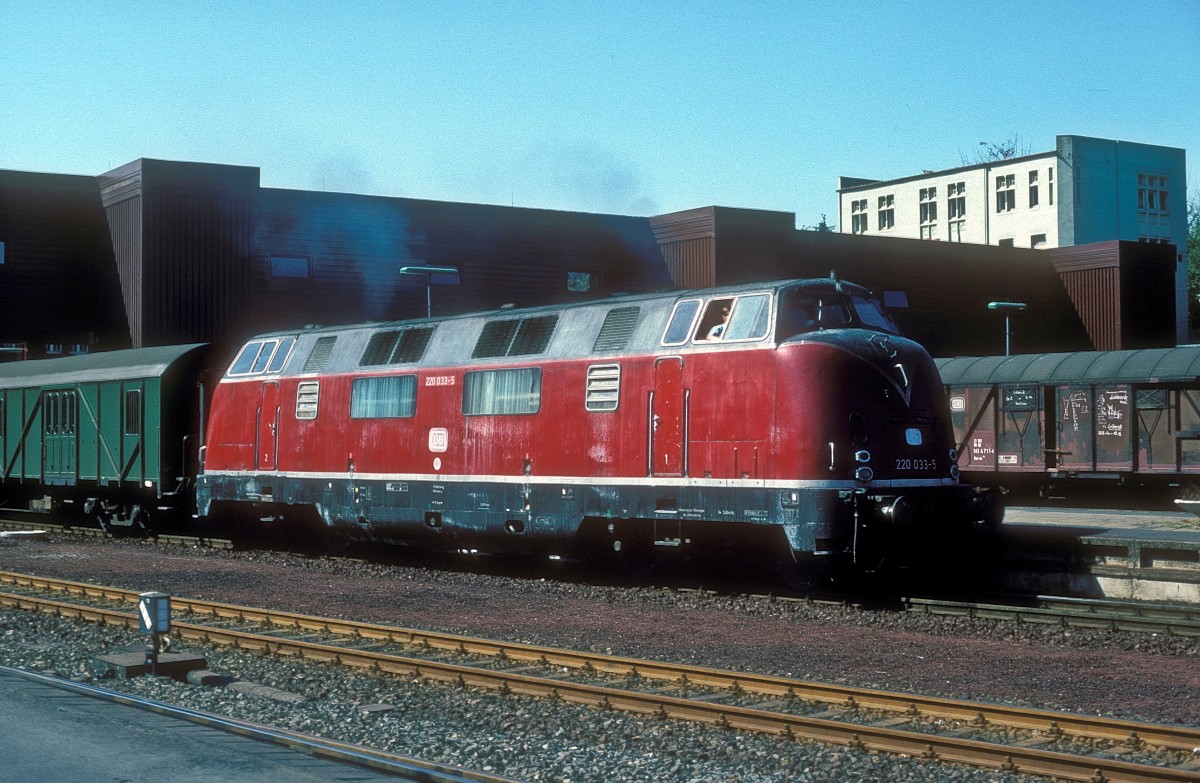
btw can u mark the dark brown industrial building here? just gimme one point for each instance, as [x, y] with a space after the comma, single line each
[160, 252]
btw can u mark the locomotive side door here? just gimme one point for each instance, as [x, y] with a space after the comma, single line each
[667, 418]
[268, 427]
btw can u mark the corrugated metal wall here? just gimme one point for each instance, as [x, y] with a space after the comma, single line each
[123, 208]
[354, 246]
[689, 246]
[1097, 296]
[57, 281]
[181, 235]
[1123, 292]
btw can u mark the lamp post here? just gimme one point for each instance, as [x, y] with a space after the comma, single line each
[1008, 308]
[429, 272]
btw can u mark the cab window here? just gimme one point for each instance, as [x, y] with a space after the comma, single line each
[679, 328]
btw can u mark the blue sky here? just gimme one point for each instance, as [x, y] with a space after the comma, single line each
[628, 107]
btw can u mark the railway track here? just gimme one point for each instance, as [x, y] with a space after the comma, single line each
[1126, 616]
[1054, 744]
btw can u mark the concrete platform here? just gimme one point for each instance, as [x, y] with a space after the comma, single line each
[53, 735]
[1134, 555]
[1102, 518]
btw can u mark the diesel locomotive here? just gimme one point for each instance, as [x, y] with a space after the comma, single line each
[789, 417]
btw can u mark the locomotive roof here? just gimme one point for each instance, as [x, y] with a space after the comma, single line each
[614, 326]
[1148, 365]
[817, 284]
[107, 366]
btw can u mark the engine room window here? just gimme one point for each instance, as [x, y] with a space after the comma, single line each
[502, 392]
[401, 346]
[393, 397]
[515, 337]
[679, 328]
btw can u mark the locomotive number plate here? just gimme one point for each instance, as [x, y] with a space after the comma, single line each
[916, 464]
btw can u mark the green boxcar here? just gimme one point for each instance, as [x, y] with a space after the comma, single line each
[114, 435]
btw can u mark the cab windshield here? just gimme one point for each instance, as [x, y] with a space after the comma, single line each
[804, 310]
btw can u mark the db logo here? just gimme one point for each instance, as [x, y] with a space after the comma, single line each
[958, 403]
[439, 439]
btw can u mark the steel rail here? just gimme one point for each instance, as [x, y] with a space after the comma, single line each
[409, 768]
[1075, 612]
[1020, 758]
[95, 532]
[848, 697]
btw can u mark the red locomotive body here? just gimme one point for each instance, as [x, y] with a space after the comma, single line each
[787, 414]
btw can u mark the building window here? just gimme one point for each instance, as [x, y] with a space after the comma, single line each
[1050, 186]
[928, 205]
[1037, 240]
[1006, 194]
[502, 392]
[1033, 189]
[858, 216]
[1152, 194]
[956, 230]
[579, 281]
[887, 212]
[1006, 243]
[390, 397]
[956, 201]
[290, 266]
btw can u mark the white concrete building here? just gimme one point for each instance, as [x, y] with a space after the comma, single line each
[1085, 190]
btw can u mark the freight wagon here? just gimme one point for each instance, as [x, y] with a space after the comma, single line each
[1080, 424]
[114, 435]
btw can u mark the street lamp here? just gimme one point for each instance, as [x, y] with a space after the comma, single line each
[429, 272]
[1009, 308]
